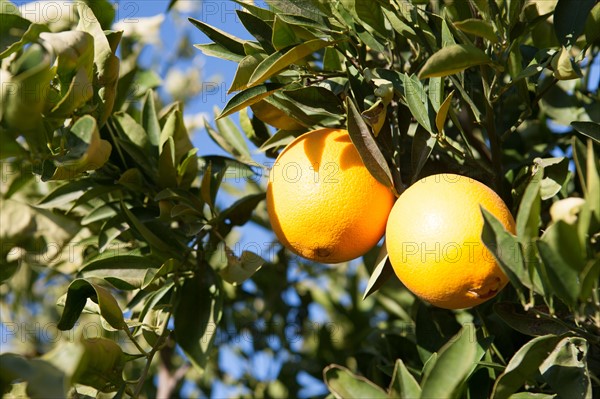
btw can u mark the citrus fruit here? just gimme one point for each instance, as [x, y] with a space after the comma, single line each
[323, 203]
[433, 238]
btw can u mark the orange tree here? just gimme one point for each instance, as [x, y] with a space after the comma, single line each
[117, 260]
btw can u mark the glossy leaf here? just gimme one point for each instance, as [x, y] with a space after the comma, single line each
[248, 97]
[453, 59]
[382, 272]
[589, 129]
[282, 59]
[367, 146]
[478, 27]
[223, 39]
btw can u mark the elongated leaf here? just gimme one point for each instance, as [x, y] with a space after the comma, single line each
[258, 28]
[440, 118]
[524, 365]
[248, 97]
[561, 252]
[382, 273]
[282, 59]
[417, 101]
[589, 129]
[231, 134]
[565, 369]
[150, 119]
[370, 13]
[216, 50]
[344, 384]
[279, 139]
[367, 146]
[507, 251]
[241, 210]
[78, 293]
[422, 147]
[123, 271]
[403, 383]
[197, 315]
[224, 39]
[527, 322]
[453, 59]
[569, 19]
[240, 269]
[478, 27]
[145, 232]
[459, 355]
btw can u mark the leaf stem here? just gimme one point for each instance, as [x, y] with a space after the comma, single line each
[132, 339]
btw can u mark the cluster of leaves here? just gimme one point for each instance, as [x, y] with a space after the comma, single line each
[466, 87]
[108, 205]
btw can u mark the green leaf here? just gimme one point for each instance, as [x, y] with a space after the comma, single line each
[460, 355]
[216, 50]
[527, 322]
[42, 378]
[144, 231]
[262, 13]
[283, 35]
[478, 27]
[453, 59]
[280, 139]
[382, 272]
[556, 173]
[227, 41]
[523, 366]
[560, 251]
[569, 19]
[529, 215]
[248, 97]
[258, 28]
[197, 314]
[589, 129]
[125, 272]
[231, 134]
[316, 97]
[506, 250]
[106, 74]
[282, 59]
[344, 384]
[244, 71]
[440, 118]
[369, 12]
[403, 383]
[17, 31]
[150, 119]
[565, 369]
[87, 151]
[77, 295]
[240, 269]
[366, 146]
[240, 211]
[422, 147]
[417, 101]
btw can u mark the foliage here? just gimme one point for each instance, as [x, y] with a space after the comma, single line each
[109, 210]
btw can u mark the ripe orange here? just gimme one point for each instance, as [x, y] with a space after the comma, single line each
[323, 203]
[433, 238]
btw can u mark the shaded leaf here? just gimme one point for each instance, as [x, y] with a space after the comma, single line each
[403, 383]
[78, 293]
[197, 315]
[367, 146]
[589, 129]
[381, 273]
[524, 365]
[224, 39]
[569, 19]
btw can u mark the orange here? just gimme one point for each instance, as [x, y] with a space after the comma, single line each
[433, 238]
[323, 203]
